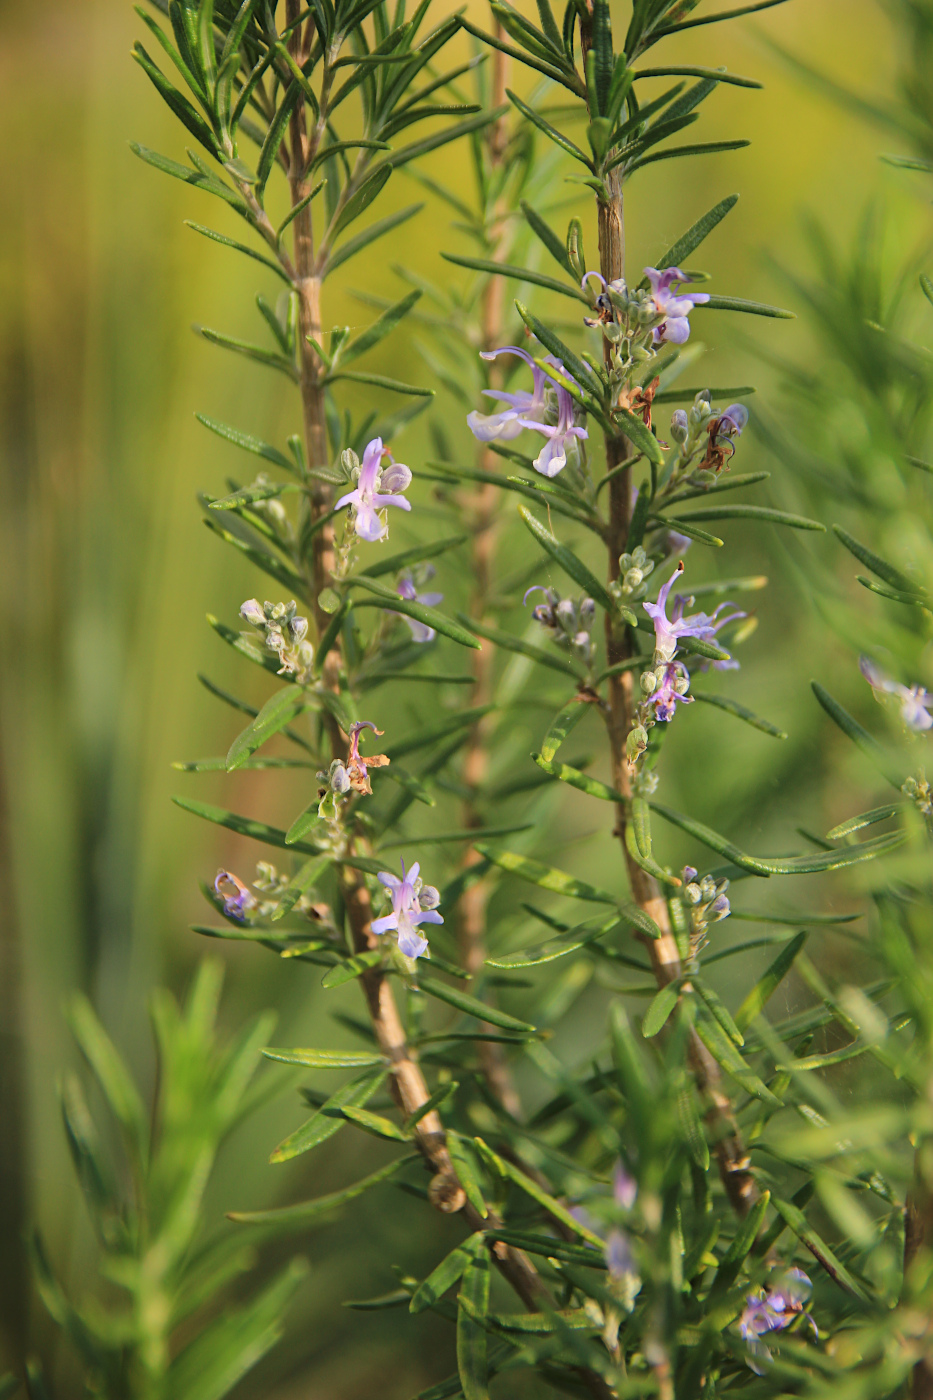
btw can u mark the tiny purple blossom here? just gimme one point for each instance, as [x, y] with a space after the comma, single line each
[366, 500]
[406, 589]
[237, 898]
[624, 1187]
[407, 913]
[915, 701]
[675, 308]
[675, 678]
[668, 631]
[522, 406]
[773, 1311]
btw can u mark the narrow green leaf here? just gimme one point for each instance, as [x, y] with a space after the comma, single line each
[240, 248]
[854, 731]
[288, 1218]
[442, 138]
[567, 560]
[467, 833]
[270, 835]
[571, 362]
[658, 1013]
[691, 531]
[472, 1006]
[278, 711]
[550, 1248]
[768, 984]
[564, 723]
[306, 821]
[555, 245]
[701, 148]
[379, 381]
[718, 1009]
[431, 734]
[206, 182]
[326, 1122]
[688, 396]
[694, 236]
[472, 1358]
[879, 566]
[379, 329]
[744, 512]
[461, 1154]
[111, 1073]
[369, 235]
[795, 1218]
[324, 1059]
[579, 780]
[518, 485]
[742, 1245]
[389, 599]
[518, 274]
[248, 443]
[448, 1272]
[637, 433]
[723, 1050]
[551, 132]
[751, 308]
[352, 967]
[537, 1193]
[717, 75]
[554, 661]
[433, 1102]
[545, 876]
[711, 838]
[300, 884]
[375, 1124]
[848, 828]
[396, 562]
[265, 560]
[269, 358]
[733, 707]
[186, 113]
[249, 495]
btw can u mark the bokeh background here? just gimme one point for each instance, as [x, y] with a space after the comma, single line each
[107, 573]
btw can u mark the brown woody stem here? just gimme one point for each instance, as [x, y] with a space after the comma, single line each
[665, 958]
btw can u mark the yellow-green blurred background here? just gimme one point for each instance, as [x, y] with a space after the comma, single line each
[108, 573]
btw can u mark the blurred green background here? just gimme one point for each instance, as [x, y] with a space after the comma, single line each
[107, 575]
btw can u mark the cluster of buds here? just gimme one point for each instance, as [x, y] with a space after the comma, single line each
[566, 622]
[243, 906]
[636, 320]
[284, 632]
[634, 568]
[707, 902]
[703, 429]
[920, 793]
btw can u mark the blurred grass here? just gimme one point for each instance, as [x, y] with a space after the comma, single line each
[107, 573]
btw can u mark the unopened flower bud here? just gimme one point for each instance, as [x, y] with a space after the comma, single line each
[680, 425]
[649, 682]
[339, 777]
[252, 612]
[429, 897]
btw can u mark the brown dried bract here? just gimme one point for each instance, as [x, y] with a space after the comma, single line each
[639, 401]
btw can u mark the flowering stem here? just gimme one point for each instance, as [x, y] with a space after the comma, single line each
[665, 958]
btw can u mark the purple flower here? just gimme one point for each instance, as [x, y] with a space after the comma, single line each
[553, 456]
[406, 588]
[772, 1311]
[528, 411]
[523, 408]
[366, 500]
[674, 679]
[674, 308]
[668, 631]
[407, 912]
[915, 701]
[624, 1187]
[237, 899]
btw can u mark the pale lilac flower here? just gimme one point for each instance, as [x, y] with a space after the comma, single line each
[406, 588]
[675, 308]
[237, 898]
[668, 631]
[553, 456]
[624, 1187]
[523, 408]
[407, 912]
[366, 499]
[915, 701]
[526, 410]
[772, 1311]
